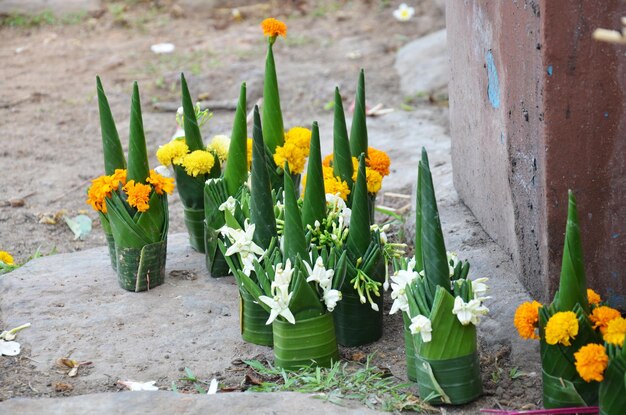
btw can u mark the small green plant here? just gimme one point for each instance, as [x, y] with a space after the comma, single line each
[191, 378]
[46, 17]
[366, 383]
[515, 373]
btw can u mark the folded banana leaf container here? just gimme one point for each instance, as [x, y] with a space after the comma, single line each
[215, 262]
[355, 323]
[111, 245]
[141, 269]
[450, 381]
[194, 220]
[309, 341]
[411, 368]
[563, 393]
[253, 317]
[613, 387]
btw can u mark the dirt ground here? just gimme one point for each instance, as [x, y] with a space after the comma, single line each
[50, 138]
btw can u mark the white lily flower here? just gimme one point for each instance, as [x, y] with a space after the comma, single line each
[411, 264]
[336, 202]
[213, 387]
[9, 348]
[282, 276]
[319, 274]
[242, 241]
[403, 13]
[346, 214]
[331, 298]
[230, 205]
[279, 306]
[422, 325]
[469, 312]
[399, 281]
[480, 288]
[454, 258]
[247, 260]
[139, 386]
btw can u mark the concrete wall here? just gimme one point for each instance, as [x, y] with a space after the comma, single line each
[537, 107]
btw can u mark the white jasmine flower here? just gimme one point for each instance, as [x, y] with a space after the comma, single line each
[159, 48]
[279, 306]
[242, 241]
[346, 214]
[411, 264]
[282, 276]
[139, 386]
[247, 260]
[403, 13]
[331, 298]
[399, 281]
[422, 325]
[480, 288]
[469, 312]
[454, 259]
[319, 274]
[9, 348]
[335, 202]
[230, 205]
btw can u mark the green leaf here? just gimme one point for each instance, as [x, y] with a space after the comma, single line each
[192, 130]
[419, 259]
[573, 284]
[80, 225]
[111, 145]
[433, 247]
[138, 169]
[294, 241]
[125, 231]
[612, 391]
[314, 205]
[261, 203]
[236, 172]
[358, 131]
[153, 220]
[305, 301]
[359, 235]
[189, 188]
[342, 158]
[273, 130]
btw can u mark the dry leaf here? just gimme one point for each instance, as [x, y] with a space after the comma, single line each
[62, 387]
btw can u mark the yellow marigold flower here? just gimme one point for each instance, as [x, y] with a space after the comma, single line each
[374, 180]
[600, 317]
[616, 331]
[219, 145]
[198, 162]
[591, 362]
[119, 177]
[328, 160]
[249, 153]
[300, 137]
[378, 160]
[138, 195]
[273, 27]
[526, 319]
[294, 155]
[561, 328]
[327, 172]
[161, 184]
[336, 186]
[172, 152]
[593, 297]
[6, 258]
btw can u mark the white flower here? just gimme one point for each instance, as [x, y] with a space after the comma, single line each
[399, 281]
[230, 205]
[374, 306]
[469, 312]
[282, 276]
[335, 202]
[139, 386]
[159, 48]
[346, 214]
[480, 288]
[9, 335]
[164, 171]
[279, 305]
[319, 274]
[247, 260]
[242, 240]
[422, 325]
[9, 348]
[403, 13]
[454, 258]
[331, 298]
[411, 264]
[213, 387]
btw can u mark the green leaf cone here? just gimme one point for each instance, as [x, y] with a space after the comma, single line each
[294, 241]
[111, 145]
[419, 259]
[236, 172]
[433, 246]
[189, 188]
[273, 130]
[261, 203]
[360, 235]
[613, 387]
[314, 206]
[573, 284]
[138, 169]
[342, 158]
[305, 302]
[192, 130]
[358, 131]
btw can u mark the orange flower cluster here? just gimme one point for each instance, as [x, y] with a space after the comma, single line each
[273, 27]
[377, 166]
[601, 316]
[102, 187]
[526, 319]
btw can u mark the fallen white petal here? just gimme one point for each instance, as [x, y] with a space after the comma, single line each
[139, 386]
[163, 48]
[213, 387]
[9, 348]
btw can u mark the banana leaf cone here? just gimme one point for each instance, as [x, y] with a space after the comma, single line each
[110, 241]
[194, 221]
[448, 368]
[215, 193]
[411, 362]
[253, 318]
[613, 387]
[309, 341]
[357, 324]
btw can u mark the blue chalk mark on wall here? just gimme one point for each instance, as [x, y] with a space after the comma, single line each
[502, 138]
[615, 236]
[493, 86]
[606, 115]
[550, 70]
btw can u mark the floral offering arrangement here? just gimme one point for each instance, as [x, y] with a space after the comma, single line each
[192, 163]
[132, 203]
[570, 326]
[441, 308]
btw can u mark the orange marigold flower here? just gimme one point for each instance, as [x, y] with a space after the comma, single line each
[273, 27]
[600, 317]
[591, 362]
[161, 184]
[328, 160]
[526, 319]
[561, 328]
[101, 188]
[119, 177]
[378, 160]
[616, 331]
[593, 297]
[138, 195]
